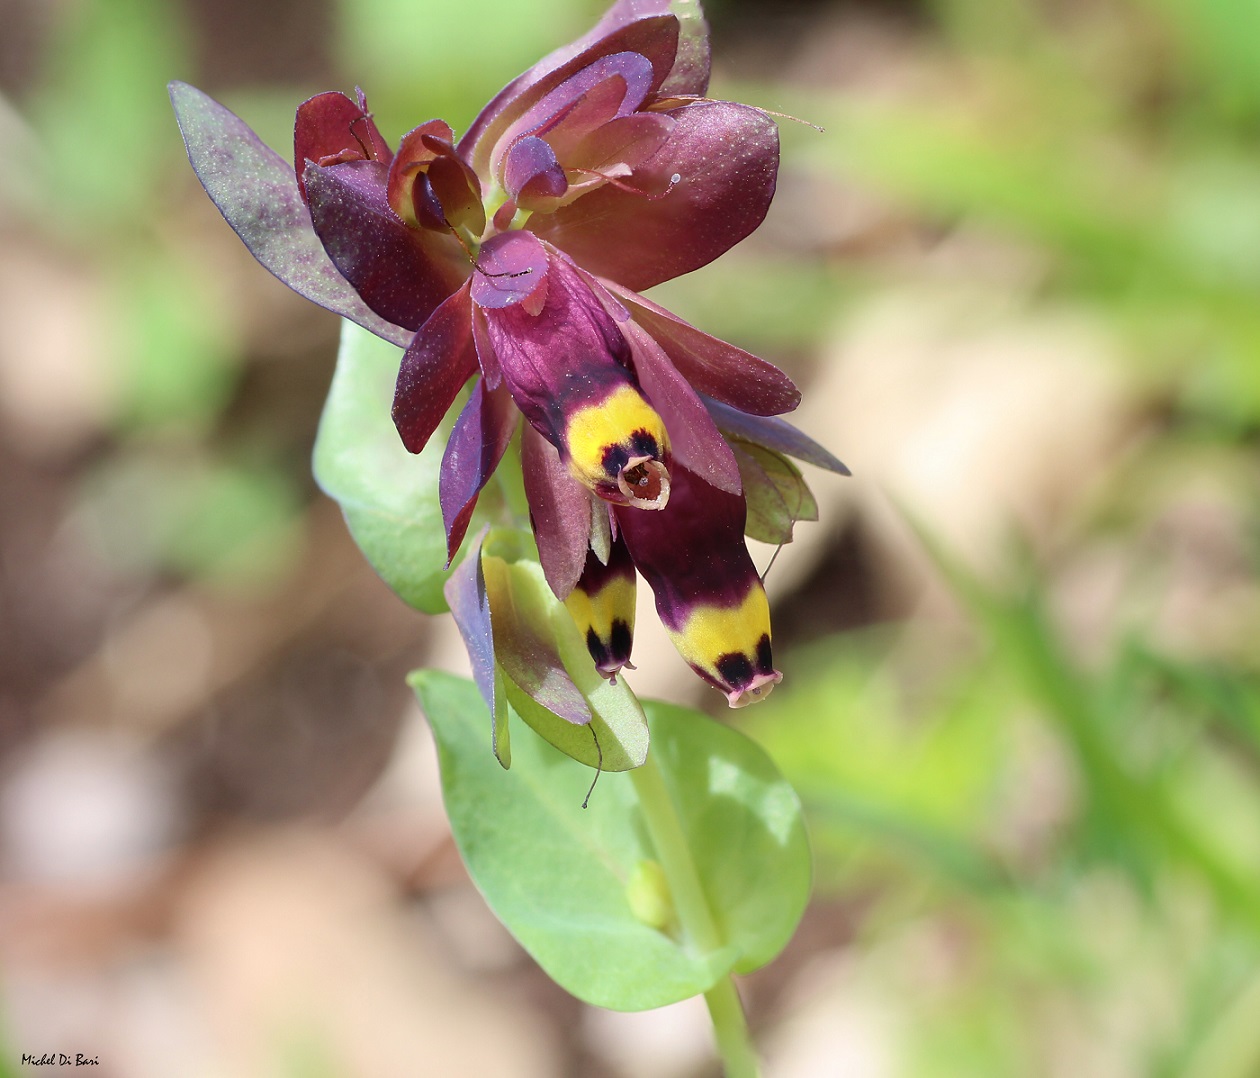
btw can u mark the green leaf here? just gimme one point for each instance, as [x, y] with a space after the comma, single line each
[389, 497]
[567, 881]
[615, 738]
[776, 494]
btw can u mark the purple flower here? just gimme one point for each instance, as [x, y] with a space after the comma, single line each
[516, 253]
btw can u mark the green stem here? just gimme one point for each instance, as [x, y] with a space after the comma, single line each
[731, 1030]
[696, 919]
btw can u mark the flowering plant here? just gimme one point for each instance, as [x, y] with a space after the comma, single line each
[507, 265]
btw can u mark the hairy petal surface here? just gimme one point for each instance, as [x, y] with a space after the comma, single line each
[402, 273]
[434, 368]
[726, 158]
[330, 128]
[560, 511]
[655, 38]
[696, 443]
[567, 365]
[477, 444]
[712, 366]
[257, 193]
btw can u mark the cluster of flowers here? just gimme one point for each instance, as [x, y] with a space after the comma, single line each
[516, 254]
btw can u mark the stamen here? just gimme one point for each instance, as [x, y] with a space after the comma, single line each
[674, 180]
[645, 483]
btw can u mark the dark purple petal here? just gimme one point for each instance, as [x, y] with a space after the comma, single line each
[512, 268]
[708, 593]
[693, 550]
[773, 433]
[620, 146]
[257, 193]
[690, 73]
[459, 193]
[559, 510]
[718, 369]
[486, 358]
[409, 165]
[616, 86]
[402, 273]
[330, 128]
[563, 355]
[694, 439]
[434, 368]
[598, 106]
[477, 444]
[726, 158]
[655, 37]
[568, 368]
[531, 171]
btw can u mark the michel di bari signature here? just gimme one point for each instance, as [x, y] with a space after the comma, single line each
[59, 1059]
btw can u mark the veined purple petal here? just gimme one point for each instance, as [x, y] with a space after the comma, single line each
[563, 355]
[622, 145]
[477, 444]
[330, 128]
[708, 593]
[512, 268]
[402, 273]
[721, 370]
[655, 37]
[598, 106]
[773, 433]
[257, 193]
[621, 81]
[559, 510]
[434, 368]
[693, 437]
[726, 158]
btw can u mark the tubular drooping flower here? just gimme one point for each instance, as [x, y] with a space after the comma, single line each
[602, 603]
[516, 252]
[708, 593]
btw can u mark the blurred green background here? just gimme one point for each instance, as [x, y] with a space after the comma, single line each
[1018, 277]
